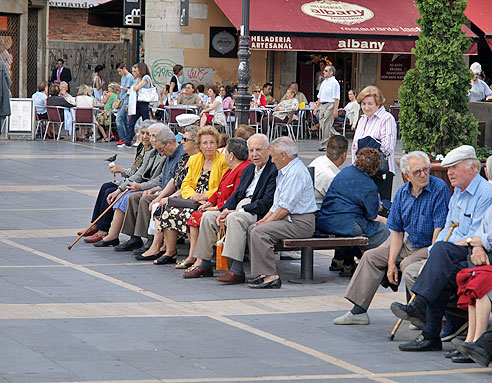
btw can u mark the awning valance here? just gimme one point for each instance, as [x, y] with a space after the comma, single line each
[383, 26]
[110, 14]
[479, 12]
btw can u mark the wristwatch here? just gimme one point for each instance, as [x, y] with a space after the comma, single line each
[469, 241]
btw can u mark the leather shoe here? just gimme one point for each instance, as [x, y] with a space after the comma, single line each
[421, 344]
[450, 354]
[198, 272]
[141, 257]
[231, 278]
[275, 284]
[256, 280]
[89, 232]
[461, 359]
[408, 312]
[142, 249]
[129, 245]
[93, 238]
[113, 242]
[474, 351]
[166, 259]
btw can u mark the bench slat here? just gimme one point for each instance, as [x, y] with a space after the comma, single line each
[324, 243]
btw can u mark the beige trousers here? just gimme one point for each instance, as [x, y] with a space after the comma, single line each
[237, 224]
[372, 268]
[326, 119]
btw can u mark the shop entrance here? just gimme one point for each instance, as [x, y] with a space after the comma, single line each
[308, 72]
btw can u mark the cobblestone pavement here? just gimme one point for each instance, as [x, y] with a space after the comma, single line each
[95, 315]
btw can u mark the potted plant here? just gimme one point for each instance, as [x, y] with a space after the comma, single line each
[434, 114]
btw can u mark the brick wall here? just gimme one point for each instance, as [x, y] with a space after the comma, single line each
[71, 24]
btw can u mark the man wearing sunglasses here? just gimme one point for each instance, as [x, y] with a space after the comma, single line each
[419, 209]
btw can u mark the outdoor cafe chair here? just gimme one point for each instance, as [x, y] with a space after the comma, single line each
[54, 118]
[277, 127]
[85, 116]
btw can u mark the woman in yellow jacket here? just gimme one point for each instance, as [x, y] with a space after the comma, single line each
[205, 170]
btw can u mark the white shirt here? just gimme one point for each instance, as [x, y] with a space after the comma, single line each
[252, 186]
[352, 109]
[324, 172]
[329, 90]
[219, 108]
[40, 102]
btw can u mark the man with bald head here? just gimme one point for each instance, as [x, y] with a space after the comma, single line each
[249, 203]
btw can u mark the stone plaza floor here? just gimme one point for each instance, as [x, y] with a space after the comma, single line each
[95, 315]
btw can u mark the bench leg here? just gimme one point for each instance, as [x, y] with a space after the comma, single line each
[307, 268]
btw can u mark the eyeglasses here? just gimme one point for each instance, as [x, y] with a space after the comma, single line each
[146, 133]
[417, 173]
[256, 91]
[325, 70]
[184, 139]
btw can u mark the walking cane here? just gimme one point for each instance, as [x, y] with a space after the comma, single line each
[98, 218]
[397, 325]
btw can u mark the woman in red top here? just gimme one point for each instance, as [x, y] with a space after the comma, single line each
[236, 155]
[259, 100]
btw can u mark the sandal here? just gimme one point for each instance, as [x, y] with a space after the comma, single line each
[184, 265]
[166, 259]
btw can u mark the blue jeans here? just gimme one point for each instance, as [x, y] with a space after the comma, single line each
[122, 121]
[142, 111]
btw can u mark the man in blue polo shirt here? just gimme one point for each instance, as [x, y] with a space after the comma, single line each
[419, 209]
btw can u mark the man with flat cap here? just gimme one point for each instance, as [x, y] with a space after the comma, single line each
[437, 281]
[184, 120]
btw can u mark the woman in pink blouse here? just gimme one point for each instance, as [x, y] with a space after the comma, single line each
[377, 123]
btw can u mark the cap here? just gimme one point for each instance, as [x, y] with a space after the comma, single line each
[459, 154]
[476, 68]
[186, 119]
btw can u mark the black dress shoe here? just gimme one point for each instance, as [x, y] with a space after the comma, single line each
[422, 344]
[450, 354]
[275, 284]
[142, 249]
[322, 150]
[113, 242]
[409, 312]
[255, 281]
[461, 359]
[141, 257]
[474, 351]
[129, 245]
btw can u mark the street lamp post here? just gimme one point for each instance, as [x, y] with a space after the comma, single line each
[243, 98]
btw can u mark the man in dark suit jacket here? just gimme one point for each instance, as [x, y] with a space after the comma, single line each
[249, 203]
[60, 73]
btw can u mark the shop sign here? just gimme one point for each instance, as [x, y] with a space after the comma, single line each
[76, 3]
[355, 45]
[223, 42]
[132, 10]
[162, 71]
[337, 12]
[273, 43]
[394, 67]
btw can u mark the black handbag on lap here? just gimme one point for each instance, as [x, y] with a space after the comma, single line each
[370, 142]
[183, 203]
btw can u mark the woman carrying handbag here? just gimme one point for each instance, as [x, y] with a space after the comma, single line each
[137, 108]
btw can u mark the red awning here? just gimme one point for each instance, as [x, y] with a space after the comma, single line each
[479, 12]
[383, 26]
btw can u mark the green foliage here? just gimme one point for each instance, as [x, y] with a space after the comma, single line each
[434, 99]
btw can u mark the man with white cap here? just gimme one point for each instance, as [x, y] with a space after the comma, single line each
[437, 280]
[479, 89]
[184, 120]
[137, 216]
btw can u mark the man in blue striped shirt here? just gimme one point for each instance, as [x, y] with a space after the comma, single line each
[419, 209]
[292, 214]
[437, 280]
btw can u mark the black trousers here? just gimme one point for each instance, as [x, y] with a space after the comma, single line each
[437, 282]
[142, 111]
[102, 204]
[385, 186]
[485, 341]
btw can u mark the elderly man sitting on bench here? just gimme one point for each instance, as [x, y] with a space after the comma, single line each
[419, 210]
[292, 214]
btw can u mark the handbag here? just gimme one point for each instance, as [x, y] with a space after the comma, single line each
[119, 103]
[219, 119]
[370, 142]
[221, 262]
[183, 203]
[148, 95]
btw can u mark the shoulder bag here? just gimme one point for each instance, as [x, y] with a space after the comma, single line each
[148, 94]
[183, 203]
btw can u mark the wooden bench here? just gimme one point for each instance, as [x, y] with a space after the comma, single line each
[307, 245]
